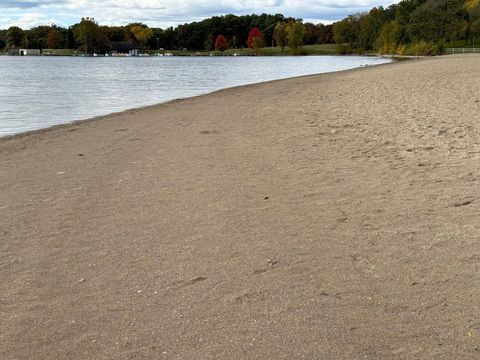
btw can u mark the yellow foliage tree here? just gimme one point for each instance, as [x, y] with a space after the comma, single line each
[141, 34]
[472, 4]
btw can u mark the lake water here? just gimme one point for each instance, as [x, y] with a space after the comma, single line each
[37, 92]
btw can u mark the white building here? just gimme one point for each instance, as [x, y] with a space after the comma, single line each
[28, 52]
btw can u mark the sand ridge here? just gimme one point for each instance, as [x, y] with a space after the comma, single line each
[324, 217]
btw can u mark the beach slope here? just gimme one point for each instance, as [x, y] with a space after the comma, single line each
[324, 217]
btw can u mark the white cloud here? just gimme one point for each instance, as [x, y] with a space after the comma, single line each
[163, 13]
[28, 20]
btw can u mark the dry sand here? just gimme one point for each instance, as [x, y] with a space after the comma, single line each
[324, 217]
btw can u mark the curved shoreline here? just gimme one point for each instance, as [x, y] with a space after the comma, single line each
[26, 133]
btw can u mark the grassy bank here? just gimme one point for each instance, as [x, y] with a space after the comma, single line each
[464, 44]
[321, 49]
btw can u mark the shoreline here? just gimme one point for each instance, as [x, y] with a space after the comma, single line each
[328, 216]
[117, 113]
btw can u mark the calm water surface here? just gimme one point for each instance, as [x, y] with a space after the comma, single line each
[37, 92]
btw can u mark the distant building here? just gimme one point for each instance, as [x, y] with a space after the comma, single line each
[30, 52]
[119, 48]
[25, 52]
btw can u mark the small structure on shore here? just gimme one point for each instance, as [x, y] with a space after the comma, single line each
[25, 52]
[123, 48]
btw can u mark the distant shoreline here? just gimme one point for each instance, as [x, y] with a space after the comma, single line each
[320, 49]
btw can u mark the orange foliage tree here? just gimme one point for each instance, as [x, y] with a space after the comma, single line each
[54, 39]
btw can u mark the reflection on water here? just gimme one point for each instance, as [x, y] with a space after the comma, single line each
[37, 92]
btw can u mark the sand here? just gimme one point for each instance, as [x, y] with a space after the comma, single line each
[323, 217]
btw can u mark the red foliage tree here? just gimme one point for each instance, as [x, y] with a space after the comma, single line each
[221, 43]
[255, 39]
[54, 39]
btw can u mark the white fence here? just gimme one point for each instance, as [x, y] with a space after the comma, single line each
[462, 50]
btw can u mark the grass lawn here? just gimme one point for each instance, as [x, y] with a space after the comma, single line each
[323, 49]
[462, 44]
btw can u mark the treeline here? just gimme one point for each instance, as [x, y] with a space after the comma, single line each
[418, 27]
[89, 36]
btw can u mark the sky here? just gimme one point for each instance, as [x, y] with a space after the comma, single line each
[165, 13]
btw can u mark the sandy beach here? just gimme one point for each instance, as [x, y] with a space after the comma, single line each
[326, 217]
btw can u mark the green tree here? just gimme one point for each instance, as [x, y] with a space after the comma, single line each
[169, 38]
[70, 43]
[209, 43]
[437, 20]
[387, 40]
[89, 36]
[16, 37]
[346, 31]
[369, 28]
[325, 35]
[281, 35]
[257, 44]
[295, 37]
[116, 33]
[312, 33]
[475, 29]
[473, 8]
[37, 36]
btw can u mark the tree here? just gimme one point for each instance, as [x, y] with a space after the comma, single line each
[369, 28]
[170, 38]
[436, 20]
[387, 39]
[346, 31]
[89, 36]
[312, 33]
[255, 40]
[70, 43]
[472, 4]
[37, 36]
[16, 37]
[54, 39]
[295, 36]
[234, 42]
[403, 11]
[280, 33]
[473, 8]
[325, 35]
[116, 33]
[221, 43]
[209, 43]
[475, 28]
[142, 34]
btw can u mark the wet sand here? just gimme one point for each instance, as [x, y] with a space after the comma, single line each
[327, 217]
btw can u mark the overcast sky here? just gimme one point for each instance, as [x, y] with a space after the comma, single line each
[165, 13]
